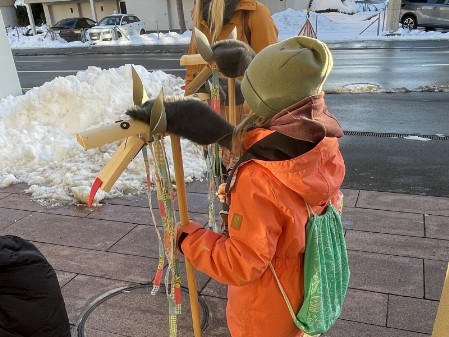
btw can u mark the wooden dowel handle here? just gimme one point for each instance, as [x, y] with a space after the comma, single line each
[184, 219]
[231, 99]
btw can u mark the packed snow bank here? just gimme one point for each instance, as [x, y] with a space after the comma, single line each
[38, 134]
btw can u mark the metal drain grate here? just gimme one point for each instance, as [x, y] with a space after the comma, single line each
[393, 135]
[81, 325]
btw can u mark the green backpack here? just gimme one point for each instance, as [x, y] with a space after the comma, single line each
[326, 273]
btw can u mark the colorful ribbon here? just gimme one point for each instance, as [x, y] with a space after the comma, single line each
[167, 241]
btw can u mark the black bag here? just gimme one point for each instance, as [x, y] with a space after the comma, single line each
[31, 303]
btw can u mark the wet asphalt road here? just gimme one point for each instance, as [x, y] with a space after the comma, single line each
[386, 147]
[384, 66]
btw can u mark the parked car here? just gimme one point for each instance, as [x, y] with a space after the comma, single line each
[72, 29]
[115, 26]
[425, 13]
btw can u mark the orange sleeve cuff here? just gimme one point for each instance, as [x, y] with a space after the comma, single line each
[184, 231]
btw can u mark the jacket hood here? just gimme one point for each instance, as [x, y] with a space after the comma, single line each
[308, 119]
[306, 159]
[315, 175]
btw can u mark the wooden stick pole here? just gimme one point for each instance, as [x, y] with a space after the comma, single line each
[184, 219]
[232, 118]
[193, 86]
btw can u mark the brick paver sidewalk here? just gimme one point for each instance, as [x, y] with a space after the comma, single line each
[105, 258]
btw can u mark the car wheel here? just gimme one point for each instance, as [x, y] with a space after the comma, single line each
[142, 31]
[409, 22]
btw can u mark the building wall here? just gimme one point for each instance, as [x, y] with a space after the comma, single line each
[188, 6]
[55, 11]
[86, 11]
[105, 8]
[163, 14]
[156, 14]
[9, 15]
[153, 12]
[160, 14]
[9, 85]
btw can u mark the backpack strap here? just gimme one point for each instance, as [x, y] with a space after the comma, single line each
[310, 211]
[290, 308]
[281, 288]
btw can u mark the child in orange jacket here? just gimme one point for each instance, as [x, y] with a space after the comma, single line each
[290, 156]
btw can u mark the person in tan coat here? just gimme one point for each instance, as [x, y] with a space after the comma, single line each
[289, 157]
[217, 18]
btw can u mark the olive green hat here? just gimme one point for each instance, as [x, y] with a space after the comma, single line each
[285, 73]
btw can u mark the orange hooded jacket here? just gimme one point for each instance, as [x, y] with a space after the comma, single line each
[267, 218]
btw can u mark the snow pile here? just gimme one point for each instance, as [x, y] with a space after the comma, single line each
[290, 22]
[21, 38]
[19, 3]
[38, 133]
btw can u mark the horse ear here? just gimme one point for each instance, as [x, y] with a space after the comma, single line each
[233, 34]
[202, 44]
[158, 119]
